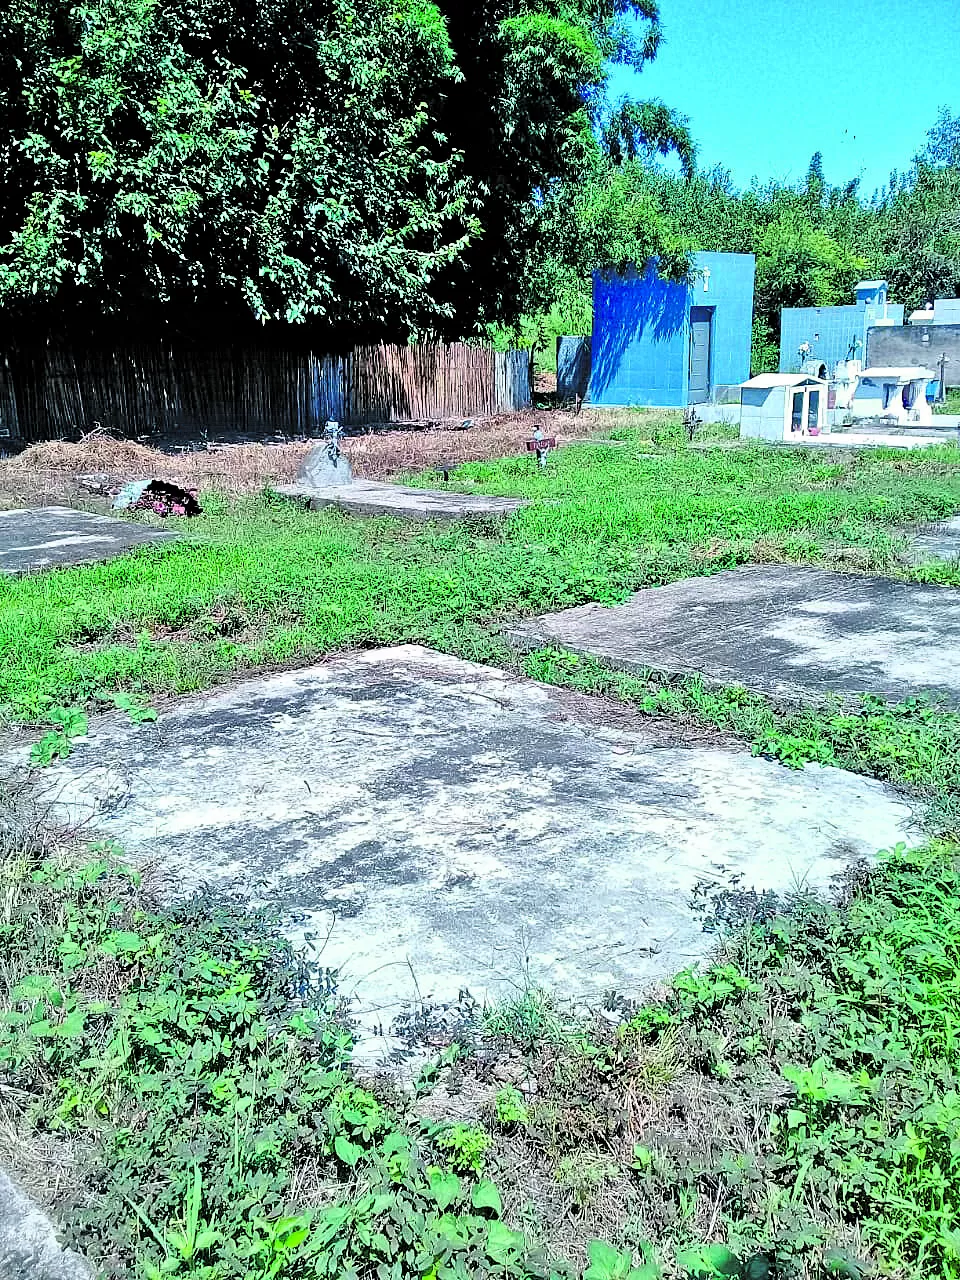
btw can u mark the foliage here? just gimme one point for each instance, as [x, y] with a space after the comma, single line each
[464, 1146]
[57, 743]
[801, 266]
[509, 1107]
[257, 582]
[377, 177]
[813, 240]
[198, 1055]
[528, 117]
[196, 1061]
[156, 156]
[798, 1099]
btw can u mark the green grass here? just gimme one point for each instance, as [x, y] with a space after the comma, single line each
[260, 583]
[791, 1111]
[798, 1101]
[952, 402]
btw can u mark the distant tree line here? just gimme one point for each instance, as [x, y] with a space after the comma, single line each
[813, 241]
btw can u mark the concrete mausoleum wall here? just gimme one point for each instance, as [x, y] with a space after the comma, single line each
[641, 331]
[921, 344]
[833, 333]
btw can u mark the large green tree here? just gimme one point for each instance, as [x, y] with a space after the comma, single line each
[224, 162]
[532, 120]
[372, 168]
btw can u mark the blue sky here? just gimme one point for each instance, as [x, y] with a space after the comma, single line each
[766, 83]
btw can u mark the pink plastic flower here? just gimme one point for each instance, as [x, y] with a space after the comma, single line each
[179, 509]
[160, 508]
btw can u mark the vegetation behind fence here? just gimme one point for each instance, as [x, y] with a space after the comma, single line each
[51, 393]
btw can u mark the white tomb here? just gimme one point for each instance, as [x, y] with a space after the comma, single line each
[783, 406]
[895, 394]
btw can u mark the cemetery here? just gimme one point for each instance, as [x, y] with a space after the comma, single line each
[496, 735]
[479, 643]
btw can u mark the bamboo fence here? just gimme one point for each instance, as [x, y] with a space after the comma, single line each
[58, 393]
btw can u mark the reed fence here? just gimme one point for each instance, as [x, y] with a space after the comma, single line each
[57, 393]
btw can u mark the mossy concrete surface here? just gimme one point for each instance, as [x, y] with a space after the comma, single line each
[50, 537]
[440, 827]
[29, 1248]
[376, 498]
[788, 632]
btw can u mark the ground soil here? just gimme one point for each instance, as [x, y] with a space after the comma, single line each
[47, 473]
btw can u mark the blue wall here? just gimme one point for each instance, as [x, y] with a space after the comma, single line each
[842, 332]
[641, 330]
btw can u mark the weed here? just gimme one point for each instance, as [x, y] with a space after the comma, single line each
[138, 713]
[582, 1175]
[465, 1147]
[527, 1020]
[255, 583]
[57, 743]
[509, 1108]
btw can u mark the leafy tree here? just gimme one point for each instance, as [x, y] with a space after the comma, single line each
[942, 147]
[797, 266]
[528, 117]
[171, 164]
[918, 235]
[369, 168]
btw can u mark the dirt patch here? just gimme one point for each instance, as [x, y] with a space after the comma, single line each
[47, 473]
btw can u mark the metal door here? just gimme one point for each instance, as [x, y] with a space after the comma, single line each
[701, 325]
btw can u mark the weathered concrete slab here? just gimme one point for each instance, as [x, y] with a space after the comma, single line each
[29, 1248]
[453, 828]
[375, 498]
[850, 438]
[51, 537]
[941, 541]
[789, 632]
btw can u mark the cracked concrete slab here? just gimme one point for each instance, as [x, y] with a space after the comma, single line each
[795, 633]
[448, 827]
[29, 1248]
[35, 538]
[377, 498]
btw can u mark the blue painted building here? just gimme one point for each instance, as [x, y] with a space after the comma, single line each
[815, 339]
[660, 343]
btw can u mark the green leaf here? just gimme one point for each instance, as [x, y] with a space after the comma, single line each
[486, 1196]
[122, 942]
[709, 1261]
[444, 1187]
[71, 1027]
[503, 1245]
[347, 1151]
[605, 1262]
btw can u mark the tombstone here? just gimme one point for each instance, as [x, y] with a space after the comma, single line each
[325, 466]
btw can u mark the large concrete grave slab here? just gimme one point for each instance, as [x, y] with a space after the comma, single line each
[447, 827]
[376, 498]
[788, 632]
[52, 537]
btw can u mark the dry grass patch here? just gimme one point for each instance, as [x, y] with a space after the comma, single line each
[46, 472]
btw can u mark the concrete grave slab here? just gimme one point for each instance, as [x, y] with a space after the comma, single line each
[795, 633]
[448, 827]
[376, 498]
[53, 537]
[940, 541]
[29, 1248]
